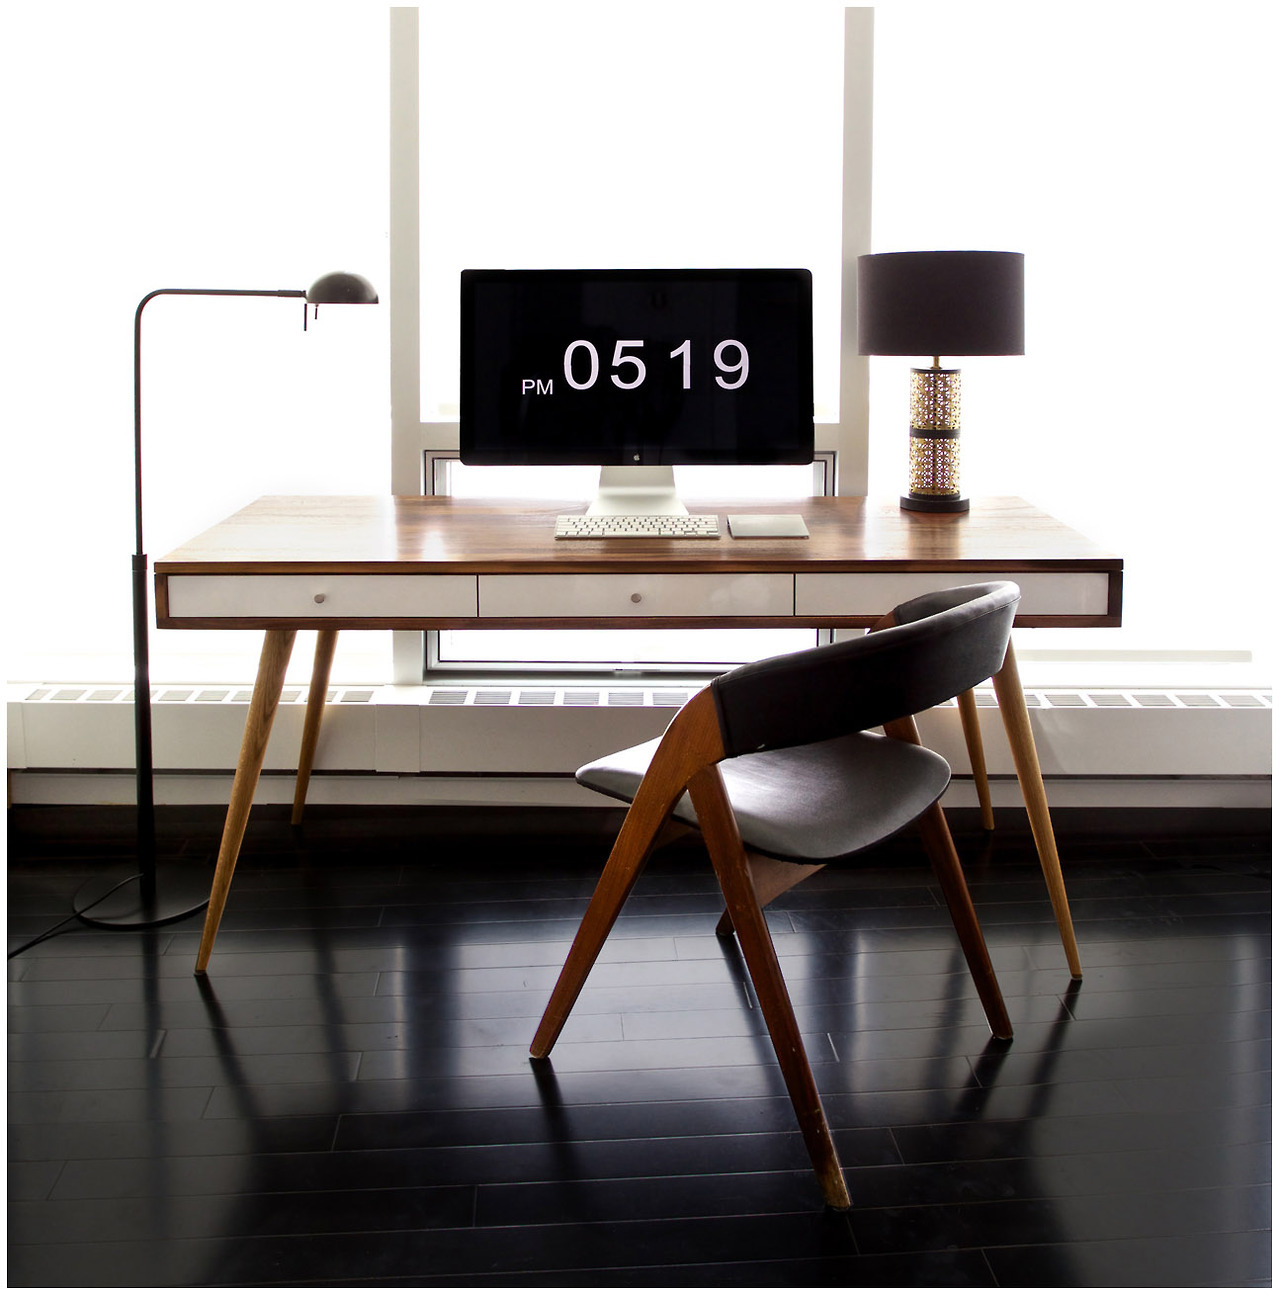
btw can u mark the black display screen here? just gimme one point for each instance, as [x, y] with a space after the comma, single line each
[640, 367]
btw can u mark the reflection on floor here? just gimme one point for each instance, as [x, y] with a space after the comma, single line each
[348, 1097]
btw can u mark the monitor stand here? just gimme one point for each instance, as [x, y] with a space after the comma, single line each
[627, 489]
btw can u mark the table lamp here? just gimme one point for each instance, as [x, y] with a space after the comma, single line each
[936, 304]
[145, 896]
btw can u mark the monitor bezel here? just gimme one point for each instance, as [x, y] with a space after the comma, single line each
[513, 453]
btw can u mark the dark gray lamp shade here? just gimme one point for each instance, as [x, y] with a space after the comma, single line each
[346, 289]
[940, 303]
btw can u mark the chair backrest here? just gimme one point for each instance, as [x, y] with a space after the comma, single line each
[943, 644]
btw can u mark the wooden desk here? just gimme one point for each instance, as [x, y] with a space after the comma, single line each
[394, 563]
[333, 563]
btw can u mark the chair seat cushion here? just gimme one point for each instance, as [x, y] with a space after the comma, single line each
[817, 802]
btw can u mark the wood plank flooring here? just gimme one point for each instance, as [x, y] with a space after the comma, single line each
[347, 1099]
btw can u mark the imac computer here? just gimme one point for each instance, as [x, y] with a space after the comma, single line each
[636, 371]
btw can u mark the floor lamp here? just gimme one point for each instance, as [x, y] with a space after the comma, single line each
[146, 896]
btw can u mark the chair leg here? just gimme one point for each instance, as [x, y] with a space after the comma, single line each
[715, 817]
[977, 758]
[946, 867]
[691, 741]
[635, 843]
[1017, 724]
[326, 643]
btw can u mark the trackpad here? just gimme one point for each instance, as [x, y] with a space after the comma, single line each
[747, 526]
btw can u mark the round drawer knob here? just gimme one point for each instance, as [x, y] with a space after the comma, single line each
[635, 598]
[319, 598]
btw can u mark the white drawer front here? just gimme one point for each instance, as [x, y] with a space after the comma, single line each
[589, 595]
[301, 597]
[874, 593]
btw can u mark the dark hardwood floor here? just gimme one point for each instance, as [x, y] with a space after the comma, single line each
[348, 1099]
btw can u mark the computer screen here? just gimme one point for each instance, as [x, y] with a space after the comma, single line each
[636, 367]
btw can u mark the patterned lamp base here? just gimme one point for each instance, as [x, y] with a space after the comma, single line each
[934, 468]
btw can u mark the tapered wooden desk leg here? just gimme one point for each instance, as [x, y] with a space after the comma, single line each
[724, 845]
[1017, 724]
[273, 663]
[326, 643]
[977, 758]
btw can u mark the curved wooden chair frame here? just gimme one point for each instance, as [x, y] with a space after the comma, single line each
[687, 758]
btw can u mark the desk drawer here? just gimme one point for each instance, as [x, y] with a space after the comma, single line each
[874, 593]
[380, 597]
[589, 595]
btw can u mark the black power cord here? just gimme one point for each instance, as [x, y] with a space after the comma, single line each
[58, 926]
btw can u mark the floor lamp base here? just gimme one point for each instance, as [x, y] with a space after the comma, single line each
[180, 891]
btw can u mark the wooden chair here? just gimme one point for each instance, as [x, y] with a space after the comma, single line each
[772, 764]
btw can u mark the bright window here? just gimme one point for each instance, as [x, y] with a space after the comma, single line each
[676, 133]
[1121, 147]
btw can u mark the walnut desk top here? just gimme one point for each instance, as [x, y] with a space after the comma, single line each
[429, 562]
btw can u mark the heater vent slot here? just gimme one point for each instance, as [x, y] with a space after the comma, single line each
[1109, 699]
[581, 697]
[492, 697]
[1066, 699]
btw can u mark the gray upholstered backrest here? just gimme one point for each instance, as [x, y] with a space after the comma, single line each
[948, 642]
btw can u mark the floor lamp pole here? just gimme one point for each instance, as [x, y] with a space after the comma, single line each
[142, 895]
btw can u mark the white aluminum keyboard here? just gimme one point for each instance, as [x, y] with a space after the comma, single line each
[632, 526]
